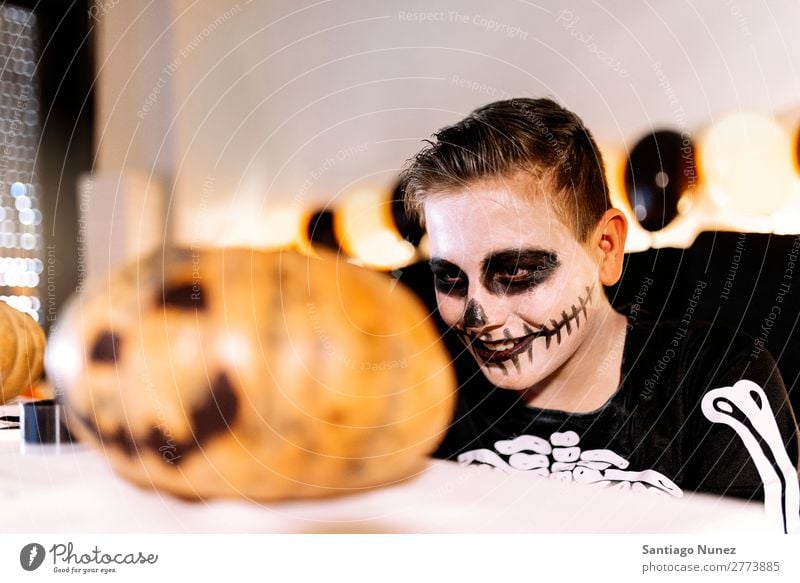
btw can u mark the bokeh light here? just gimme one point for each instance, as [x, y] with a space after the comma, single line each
[746, 160]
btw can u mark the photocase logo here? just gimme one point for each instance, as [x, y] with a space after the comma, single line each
[31, 556]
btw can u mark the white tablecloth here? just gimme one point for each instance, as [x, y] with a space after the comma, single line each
[72, 489]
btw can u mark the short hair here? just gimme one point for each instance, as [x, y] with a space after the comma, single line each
[504, 138]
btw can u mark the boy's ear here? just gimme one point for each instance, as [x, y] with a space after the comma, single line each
[609, 243]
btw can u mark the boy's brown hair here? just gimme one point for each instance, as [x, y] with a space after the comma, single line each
[498, 141]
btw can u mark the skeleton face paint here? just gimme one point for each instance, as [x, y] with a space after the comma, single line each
[473, 315]
[512, 280]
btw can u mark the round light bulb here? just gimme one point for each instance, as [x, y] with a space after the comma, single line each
[746, 159]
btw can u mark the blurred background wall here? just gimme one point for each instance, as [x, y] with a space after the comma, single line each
[240, 108]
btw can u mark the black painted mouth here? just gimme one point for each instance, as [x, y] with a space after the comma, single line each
[555, 331]
[490, 356]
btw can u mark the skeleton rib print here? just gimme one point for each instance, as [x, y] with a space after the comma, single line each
[560, 458]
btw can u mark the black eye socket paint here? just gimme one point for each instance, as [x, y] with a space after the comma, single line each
[448, 278]
[514, 271]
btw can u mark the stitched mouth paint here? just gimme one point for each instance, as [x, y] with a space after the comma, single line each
[496, 353]
[493, 352]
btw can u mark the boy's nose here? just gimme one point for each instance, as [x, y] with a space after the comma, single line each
[482, 313]
[474, 315]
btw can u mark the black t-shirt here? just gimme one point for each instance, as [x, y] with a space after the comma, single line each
[653, 433]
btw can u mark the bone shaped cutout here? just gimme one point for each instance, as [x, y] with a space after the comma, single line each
[744, 407]
[213, 417]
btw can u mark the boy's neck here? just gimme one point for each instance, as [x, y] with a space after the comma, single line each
[588, 379]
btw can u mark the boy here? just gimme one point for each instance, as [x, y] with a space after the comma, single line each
[523, 238]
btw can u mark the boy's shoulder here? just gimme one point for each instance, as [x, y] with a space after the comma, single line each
[693, 339]
[673, 367]
[689, 358]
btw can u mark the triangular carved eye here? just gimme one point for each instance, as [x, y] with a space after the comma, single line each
[106, 347]
[189, 296]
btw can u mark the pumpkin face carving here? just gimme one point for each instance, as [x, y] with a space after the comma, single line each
[237, 372]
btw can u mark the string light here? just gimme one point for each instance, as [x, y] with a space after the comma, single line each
[283, 226]
[363, 224]
[383, 249]
[20, 219]
[746, 160]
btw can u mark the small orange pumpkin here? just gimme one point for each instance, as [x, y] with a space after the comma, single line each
[237, 372]
[21, 352]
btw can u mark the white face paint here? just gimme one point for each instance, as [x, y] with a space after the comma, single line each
[512, 280]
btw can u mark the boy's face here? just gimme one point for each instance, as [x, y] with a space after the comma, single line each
[511, 279]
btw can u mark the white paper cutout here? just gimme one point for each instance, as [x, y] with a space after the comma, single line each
[564, 461]
[744, 407]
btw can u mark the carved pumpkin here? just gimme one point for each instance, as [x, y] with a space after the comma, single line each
[239, 372]
[21, 352]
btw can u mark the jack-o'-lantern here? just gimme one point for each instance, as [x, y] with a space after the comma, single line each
[237, 372]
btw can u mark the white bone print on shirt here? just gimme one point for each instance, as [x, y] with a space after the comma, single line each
[745, 408]
[561, 458]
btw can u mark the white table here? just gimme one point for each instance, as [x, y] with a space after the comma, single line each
[72, 489]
